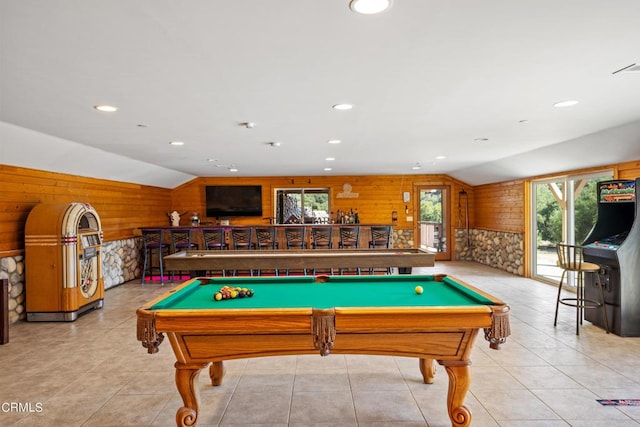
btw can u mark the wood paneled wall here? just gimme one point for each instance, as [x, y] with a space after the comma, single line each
[122, 207]
[501, 206]
[629, 170]
[378, 196]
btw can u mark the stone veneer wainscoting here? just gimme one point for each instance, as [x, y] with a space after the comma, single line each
[12, 268]
[497, 249]
[402, 238]
[120, 263]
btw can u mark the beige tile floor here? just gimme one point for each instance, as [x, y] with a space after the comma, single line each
[93, 372]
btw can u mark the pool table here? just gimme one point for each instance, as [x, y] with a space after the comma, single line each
[403, 259]
[379, 315]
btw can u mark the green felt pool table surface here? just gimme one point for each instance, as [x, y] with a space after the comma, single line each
[336, 291]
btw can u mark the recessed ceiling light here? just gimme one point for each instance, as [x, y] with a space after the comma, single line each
[274, 144]
[481, 139]
[176, 143]
[334, 141]
[248, 125]
[369, 7]
[106, 108]
[233, 169]
[327, 169]
[523, 121]
[565, 103]
[342, 107]
[441, 157]
[416, 167]
[329, 159]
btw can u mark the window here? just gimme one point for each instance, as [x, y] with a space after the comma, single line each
[302, 206]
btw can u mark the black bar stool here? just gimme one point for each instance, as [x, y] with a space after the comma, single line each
[350, 238]
[380, 238]
[181, 241]
[322, 238]
[267, 238]
[153, 244]
[242, 239]
[296, 239]
[214, 240]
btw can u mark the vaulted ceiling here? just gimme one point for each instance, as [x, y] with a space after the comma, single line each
[466, 88]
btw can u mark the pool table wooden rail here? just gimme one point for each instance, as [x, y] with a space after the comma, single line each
[201, 338]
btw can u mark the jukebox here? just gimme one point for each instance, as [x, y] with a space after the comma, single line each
[614, 244]
[62, 261]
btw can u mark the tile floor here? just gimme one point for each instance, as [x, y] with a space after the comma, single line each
[93, 372]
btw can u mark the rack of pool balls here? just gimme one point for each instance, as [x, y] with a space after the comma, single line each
[231, 292]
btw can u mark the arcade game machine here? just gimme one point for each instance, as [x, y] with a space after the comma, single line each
[614, 244]
[63, 261]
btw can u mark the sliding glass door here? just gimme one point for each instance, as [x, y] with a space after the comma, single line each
[564, 209]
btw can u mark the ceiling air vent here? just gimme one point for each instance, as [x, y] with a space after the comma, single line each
[633, 68]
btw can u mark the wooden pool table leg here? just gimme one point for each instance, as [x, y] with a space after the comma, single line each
[216, 373]
[428, 370]
[459, 381]
[186, 381]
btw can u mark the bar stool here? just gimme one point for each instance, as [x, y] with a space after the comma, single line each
[242, 237]
[570, 259]
[153, 244]
[296, 239]
[380, 238]
[181, 241]
[214, 239]
[266, 238]
[322, 238]
[350, 238]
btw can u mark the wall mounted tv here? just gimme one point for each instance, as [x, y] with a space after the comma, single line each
[233, 200]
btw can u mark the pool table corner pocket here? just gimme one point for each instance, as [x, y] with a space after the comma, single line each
[500, 329]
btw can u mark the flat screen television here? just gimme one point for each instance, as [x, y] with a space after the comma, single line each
[233, 200]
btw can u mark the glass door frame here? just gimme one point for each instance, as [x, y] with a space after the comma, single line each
[571, 188]
[445, 255]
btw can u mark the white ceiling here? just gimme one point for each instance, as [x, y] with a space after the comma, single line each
[426, 78]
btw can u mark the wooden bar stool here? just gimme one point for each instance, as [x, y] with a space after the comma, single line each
[153, 244]
[570, 259]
